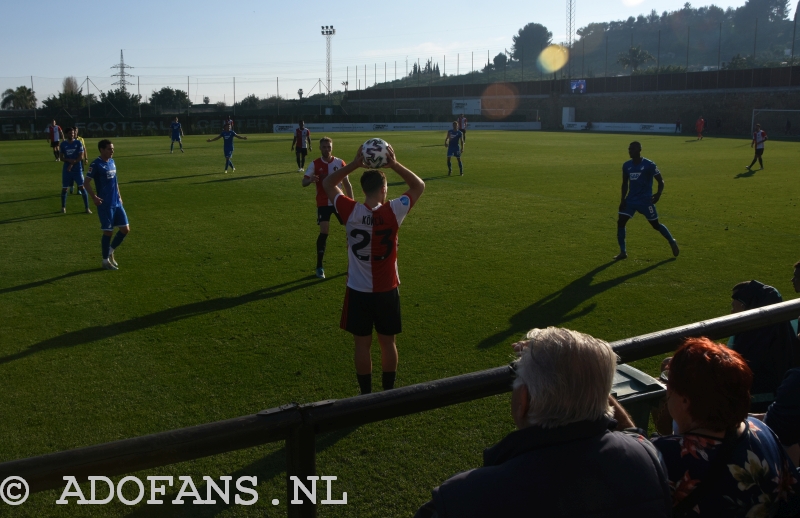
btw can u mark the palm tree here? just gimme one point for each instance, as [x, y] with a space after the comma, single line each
[21, 98]
[634, 58]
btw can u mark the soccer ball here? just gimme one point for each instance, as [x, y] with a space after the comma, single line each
[376, 153]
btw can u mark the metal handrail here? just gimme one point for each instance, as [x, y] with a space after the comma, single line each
[298, 424]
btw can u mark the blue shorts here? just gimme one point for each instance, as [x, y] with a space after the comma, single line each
[648, 211]
[112, 217]
[176, 138]
[453, 152]
[67, 177]
[228, 153]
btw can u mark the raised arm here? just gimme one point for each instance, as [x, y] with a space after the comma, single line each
[348, 187]
[215, 138]
[239, 136]
[415, 184]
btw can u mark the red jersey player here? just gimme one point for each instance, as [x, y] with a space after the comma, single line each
[301, 144]
[317, 171]
[462, 126]
[372, 298]
[759, 137]
[54, 138]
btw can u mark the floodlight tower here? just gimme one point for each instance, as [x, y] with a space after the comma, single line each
[571, 8]
[122, 74]
[328, 31]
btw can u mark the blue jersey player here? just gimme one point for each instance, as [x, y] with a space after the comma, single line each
[455, 147]
[228, 135]
[71, 153]
[177, 133]
[638, 174]
[109, 202]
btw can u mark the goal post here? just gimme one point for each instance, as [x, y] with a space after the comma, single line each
[775, 120]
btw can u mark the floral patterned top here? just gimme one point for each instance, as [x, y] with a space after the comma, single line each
[760, 480]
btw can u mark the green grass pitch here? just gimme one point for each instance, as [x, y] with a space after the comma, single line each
[215, 312]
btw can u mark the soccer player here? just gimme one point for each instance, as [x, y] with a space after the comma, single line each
[639, 172]
[177, 133]
[699, 126]
[462, 126]
[103, 171]
[228, 134]
[317, 171]
[759, 137]
[372, 298]
[452, 141]
[71, 152]
[54, 138]
[85, 159]
[302, 141]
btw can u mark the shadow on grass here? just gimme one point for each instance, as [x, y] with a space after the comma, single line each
[266, 468]
[169, 178]
[234, 178]
[46, 215]
[559, 307]
[36, 284]
[29, 199]
[92, 334]
[747, 174]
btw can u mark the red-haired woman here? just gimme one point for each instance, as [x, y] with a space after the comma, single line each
[720, 462]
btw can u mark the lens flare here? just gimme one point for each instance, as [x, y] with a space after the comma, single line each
[553, 58]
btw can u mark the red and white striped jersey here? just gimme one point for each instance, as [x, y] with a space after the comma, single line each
[322, 169]
[54, 132]
[301, 137]
[372, 242]
[462, 123]
[759, 137]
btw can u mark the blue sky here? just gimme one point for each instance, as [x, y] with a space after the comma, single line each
[257, 41]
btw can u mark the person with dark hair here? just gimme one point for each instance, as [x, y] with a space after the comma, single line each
[177, 132]
[759, 137]
[372, 298]
[565, 457]
[301, 145]
[71, 153]
[639, 173]
[454, 142]
[783, 415]
[227, 147]
[109, 202]
[720, 462]
[771, 350]
[317, 171]
[54, 137]
[85, 158]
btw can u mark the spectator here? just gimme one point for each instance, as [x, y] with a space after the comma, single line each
[783, 416]
[563, 459]
[720, 462]
[678, 126]
[771, 350]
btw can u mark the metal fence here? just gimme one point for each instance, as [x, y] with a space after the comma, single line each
[298, 424]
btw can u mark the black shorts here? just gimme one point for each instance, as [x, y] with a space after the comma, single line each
[301, 151]
[759, 152]
[325, 213]
[363, 310]
[54, 143]
[463, 130]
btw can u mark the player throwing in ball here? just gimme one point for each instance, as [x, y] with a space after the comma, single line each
[372, 298]
[228, 134]
[638, 173]
[454, 141]
[317, 171]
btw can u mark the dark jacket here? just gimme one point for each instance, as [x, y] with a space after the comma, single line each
[579, 470]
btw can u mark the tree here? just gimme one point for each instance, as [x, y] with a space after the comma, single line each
[169, 98]
[20, 98]
[69, 86]
[738, 62]
[249, 103]
[634, 58]
[500, 61]
[206, 100]
[120, 101]
[533, 38]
